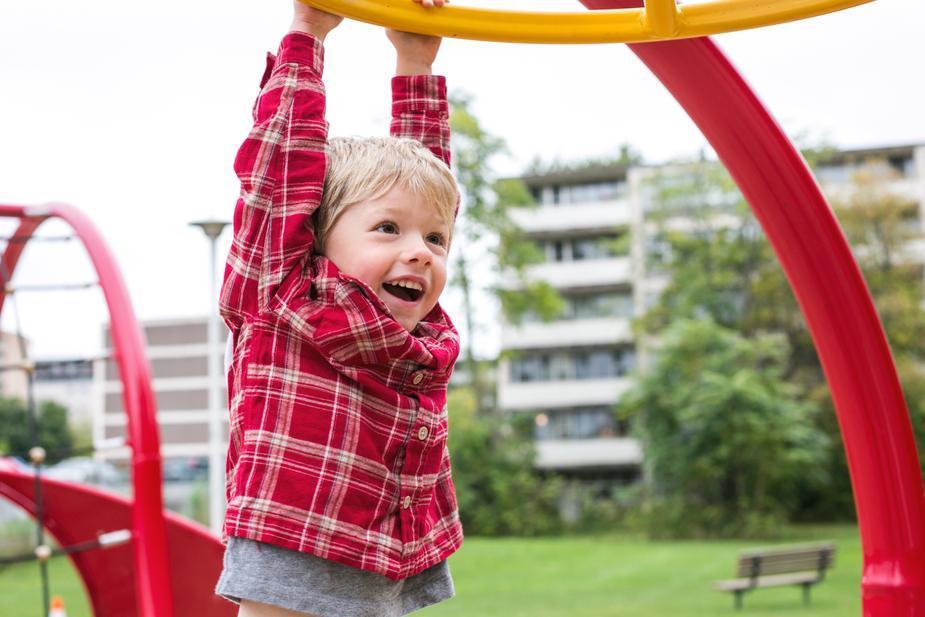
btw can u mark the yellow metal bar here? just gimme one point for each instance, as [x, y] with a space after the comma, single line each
[662, 17]
[703, 19]
[658, 21]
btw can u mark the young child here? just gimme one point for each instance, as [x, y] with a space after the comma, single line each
[340, 500]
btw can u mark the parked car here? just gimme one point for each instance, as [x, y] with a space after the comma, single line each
[187, 469]
[86, 470]
[16, 463]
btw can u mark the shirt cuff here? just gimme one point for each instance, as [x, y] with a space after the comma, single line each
[299, 48]
[419, 93]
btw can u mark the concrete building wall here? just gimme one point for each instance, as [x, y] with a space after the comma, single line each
[178, 352]
[68, 383]
[13, 383]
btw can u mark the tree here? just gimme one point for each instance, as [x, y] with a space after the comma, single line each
[499, 492]
[725, 270]
[486, 226]
[881, 227]
[626, 155]
[53, 432]
[724, 436]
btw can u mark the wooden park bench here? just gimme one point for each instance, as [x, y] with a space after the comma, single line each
[794, 565]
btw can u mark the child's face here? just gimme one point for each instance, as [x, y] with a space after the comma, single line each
[397, 238]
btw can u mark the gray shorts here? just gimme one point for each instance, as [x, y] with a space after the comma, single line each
[309, 584]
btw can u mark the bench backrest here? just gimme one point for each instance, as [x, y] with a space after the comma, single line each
[786, 560]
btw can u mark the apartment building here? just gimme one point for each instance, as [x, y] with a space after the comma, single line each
[178, 352]
[568, 373]
[68, 382]
[599, 228]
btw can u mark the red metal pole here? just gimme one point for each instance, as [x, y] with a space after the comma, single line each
[149, 530]
[14, 250]
[836, 303]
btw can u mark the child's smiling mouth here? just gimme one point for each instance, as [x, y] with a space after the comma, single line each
[409, 291]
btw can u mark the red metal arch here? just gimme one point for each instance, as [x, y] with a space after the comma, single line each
[152, 579]
[835, 301]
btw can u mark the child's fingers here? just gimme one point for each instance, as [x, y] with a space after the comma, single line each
[432, 3]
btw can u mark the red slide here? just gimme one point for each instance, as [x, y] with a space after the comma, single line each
[76, 513]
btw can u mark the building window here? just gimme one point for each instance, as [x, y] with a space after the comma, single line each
[578, 423]
[569, 365]
[590, 248]
[591, 192]
[585, 247]
[615, 304]
[530, 368]
[658, 251]
[903, 165]
[63, 370]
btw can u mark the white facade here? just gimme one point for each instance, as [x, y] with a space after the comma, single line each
[68, 383]
[568, 374]
[178, 352]
[13, 382]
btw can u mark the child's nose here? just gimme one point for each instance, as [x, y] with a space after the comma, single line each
[417, 252]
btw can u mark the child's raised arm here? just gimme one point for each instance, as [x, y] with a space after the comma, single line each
[281, 166]
[419, 105]
[313, 21]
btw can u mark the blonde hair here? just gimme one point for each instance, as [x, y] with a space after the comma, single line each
[363, 168]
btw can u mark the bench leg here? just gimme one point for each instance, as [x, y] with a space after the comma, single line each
[739, 599]
[806, 588]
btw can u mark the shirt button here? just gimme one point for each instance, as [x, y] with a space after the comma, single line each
[418, 378]
[422, 433]
[406, 502]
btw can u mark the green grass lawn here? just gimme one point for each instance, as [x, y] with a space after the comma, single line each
[21, 589]
[610, 576]
[600, 576]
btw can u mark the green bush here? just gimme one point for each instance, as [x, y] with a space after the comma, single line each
[726, 444]
[53, 432]
[197, 508]
[499, 492]
[17, 536]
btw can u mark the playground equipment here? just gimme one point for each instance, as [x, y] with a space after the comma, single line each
[622, 21]
[154, 574]
[779, 187]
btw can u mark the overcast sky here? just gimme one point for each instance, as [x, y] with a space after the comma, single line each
[133, 112]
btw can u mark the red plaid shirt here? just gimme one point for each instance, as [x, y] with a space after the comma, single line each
[338, 414]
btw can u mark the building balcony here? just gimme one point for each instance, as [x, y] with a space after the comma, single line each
[557, 394]
[573, 218]
[571, 333]
[583, 274]
[910, 188]
[607, 452]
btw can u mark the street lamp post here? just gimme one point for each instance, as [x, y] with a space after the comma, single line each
[213, 229]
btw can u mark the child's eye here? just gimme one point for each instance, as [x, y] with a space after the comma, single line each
[387, 228]
[437, 239]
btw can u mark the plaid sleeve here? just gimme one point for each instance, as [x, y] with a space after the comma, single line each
[281, 166]
[420, 111]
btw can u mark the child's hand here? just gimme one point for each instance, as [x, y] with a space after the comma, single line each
[415, 52]
[313, 21]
